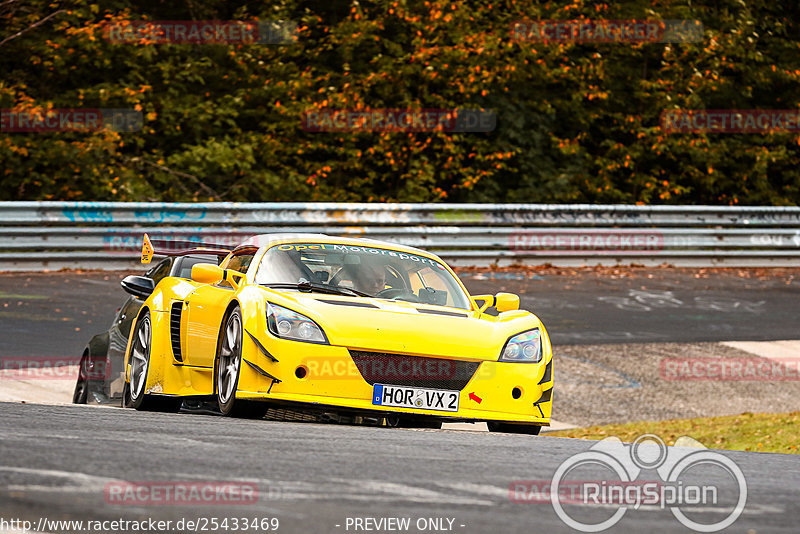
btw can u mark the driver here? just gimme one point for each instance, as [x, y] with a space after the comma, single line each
[368, 276]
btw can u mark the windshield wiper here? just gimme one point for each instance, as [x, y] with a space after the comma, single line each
[308, 287]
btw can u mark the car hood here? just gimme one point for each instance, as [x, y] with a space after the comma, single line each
[402, 327]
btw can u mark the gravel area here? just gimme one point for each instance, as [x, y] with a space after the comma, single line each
[601, 384]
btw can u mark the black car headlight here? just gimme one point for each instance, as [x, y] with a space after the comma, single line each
[525, 347]
[287, 324]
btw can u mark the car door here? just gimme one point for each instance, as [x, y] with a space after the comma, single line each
[205, 309]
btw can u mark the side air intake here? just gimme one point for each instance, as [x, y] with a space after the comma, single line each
[175, 329]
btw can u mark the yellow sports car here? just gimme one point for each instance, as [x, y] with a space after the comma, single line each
[348, 326]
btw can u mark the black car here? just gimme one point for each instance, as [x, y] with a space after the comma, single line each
[101, 373]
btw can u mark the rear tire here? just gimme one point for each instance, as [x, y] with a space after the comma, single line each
[81, 393]
[126, 396]
[227, 368]
[140, 367]
[509, 428]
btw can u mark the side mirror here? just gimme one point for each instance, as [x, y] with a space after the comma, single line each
[138, 286]
[506, 302]
[483, 302]
[207, 273]
[502, 302]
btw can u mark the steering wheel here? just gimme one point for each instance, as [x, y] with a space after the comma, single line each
[341, 274]
[390, 293]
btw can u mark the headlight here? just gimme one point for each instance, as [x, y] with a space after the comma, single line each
[525, 348]
[288, 324]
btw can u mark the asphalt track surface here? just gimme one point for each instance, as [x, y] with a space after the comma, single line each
[55, 314]
[656, 305]
[56, 463]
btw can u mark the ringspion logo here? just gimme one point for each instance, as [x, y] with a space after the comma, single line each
[587, 491]
[594, 505]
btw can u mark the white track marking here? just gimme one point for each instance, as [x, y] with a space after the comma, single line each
[774, 350]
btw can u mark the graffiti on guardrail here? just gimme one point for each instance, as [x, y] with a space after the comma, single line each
[451, 214]
[776, 240]
[328, 216]
[500, 214]
[162, 216]
[88, 215]
[460, 215]
[472, 234]
[764, 217]
[92, 212]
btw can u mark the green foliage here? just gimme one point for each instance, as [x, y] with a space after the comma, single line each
[576, 122]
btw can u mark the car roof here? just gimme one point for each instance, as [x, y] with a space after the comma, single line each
[268, 240]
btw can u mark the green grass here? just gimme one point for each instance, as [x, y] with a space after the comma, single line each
[762, 432]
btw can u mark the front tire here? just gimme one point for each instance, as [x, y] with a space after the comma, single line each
[229, 363]
[140, 367]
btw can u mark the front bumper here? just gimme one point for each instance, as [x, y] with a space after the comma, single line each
[326, 376]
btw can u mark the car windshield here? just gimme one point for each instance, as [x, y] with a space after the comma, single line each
[377, 272]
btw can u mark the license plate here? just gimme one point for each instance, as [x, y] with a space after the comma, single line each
[421, 398]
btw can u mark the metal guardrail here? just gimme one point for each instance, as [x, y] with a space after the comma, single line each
[54, 235]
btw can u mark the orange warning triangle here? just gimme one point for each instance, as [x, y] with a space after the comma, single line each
[147, 250]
